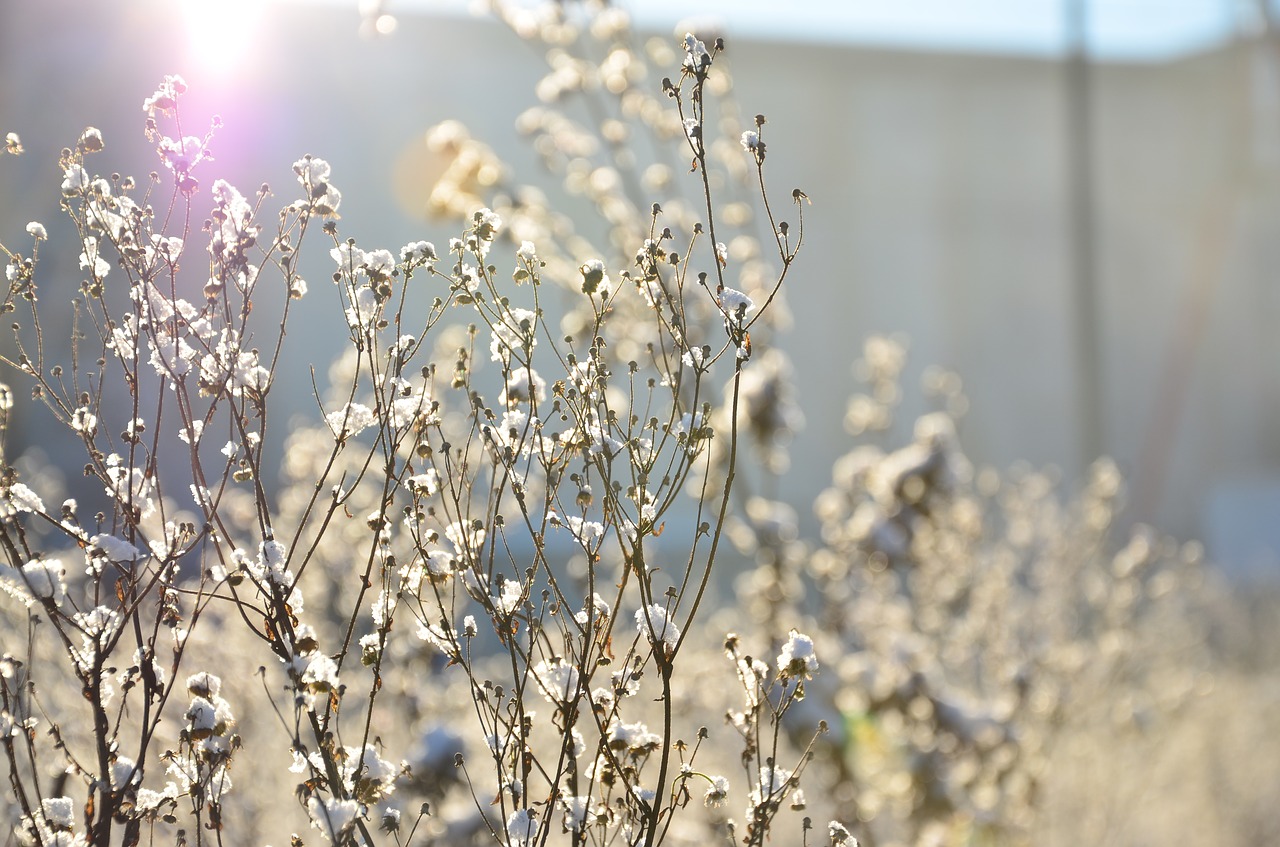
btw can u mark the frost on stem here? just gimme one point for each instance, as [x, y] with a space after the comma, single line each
[654, 623]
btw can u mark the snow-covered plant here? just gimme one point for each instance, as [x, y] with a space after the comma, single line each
[471, 597]
[481, 579]
[981, 621]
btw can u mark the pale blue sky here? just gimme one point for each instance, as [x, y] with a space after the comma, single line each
[1125, 29]
[1130, 28]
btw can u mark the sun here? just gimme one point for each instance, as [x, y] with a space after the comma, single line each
[220, 33]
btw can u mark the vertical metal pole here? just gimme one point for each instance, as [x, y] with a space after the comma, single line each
[1080, 197]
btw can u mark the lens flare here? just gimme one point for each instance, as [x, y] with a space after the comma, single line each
[220, 33]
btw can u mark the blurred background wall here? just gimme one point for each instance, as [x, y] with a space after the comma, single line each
[1089, 242]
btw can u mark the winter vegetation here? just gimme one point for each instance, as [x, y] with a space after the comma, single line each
[517, 579]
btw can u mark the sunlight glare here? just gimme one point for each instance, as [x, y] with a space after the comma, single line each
[221, 32]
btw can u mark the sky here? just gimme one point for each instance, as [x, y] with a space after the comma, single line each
[1117, 29]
